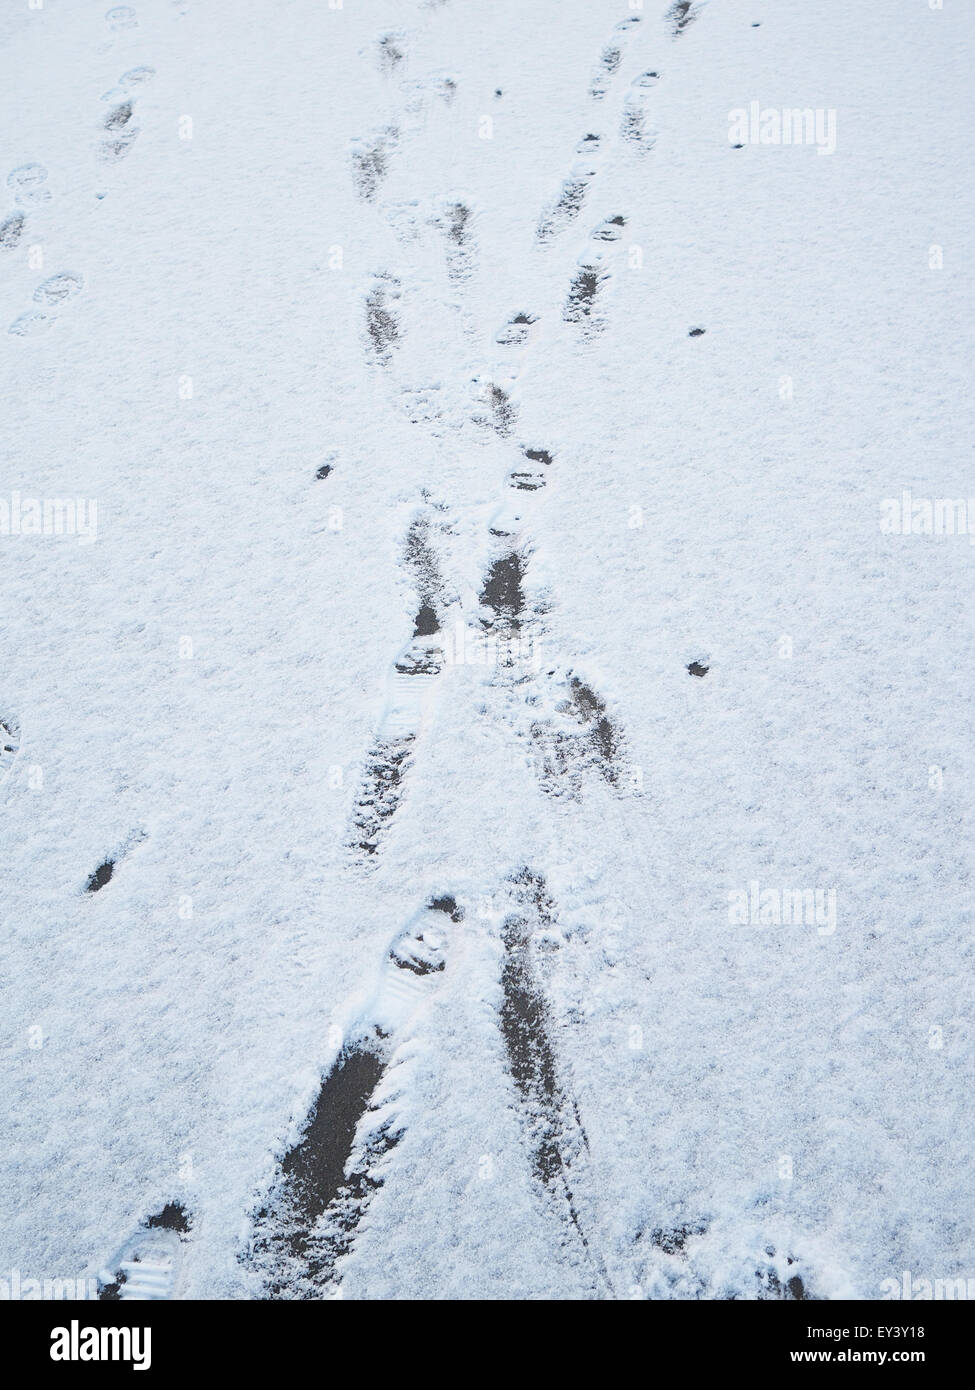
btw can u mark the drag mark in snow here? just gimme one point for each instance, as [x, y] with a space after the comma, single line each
[312, 1181]
[326, 1181]
[556, 1139]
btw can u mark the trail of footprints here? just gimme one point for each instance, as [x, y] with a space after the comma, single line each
[323, 1185]
[307, 1225]
[411, 681]
[28, 185]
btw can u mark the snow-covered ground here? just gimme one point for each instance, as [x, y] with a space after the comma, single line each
[420, 970]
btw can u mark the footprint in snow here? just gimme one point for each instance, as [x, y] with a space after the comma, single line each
[10, 230]
[635, 125]
[454, 219]
[9, 745]
[499, 411]
[27, 182]
[122, 132]
[422, 405]
[382, 323]
[122, 136]
[32, 323]
[517, 331]
[531, 477]
[610, 229]
[58, 288]
[568, 204]
[590, 279]
[147, 1266]
[391, 52]
[610, 58]
[527, 479]
[574, 737]
[680, 15]
[132, 81]
[370, 161]
[119, 116]
[411, 683]
[121, 17]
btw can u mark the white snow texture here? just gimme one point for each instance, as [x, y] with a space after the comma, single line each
[486, 786]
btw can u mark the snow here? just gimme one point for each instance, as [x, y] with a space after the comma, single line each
[166, 1037]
